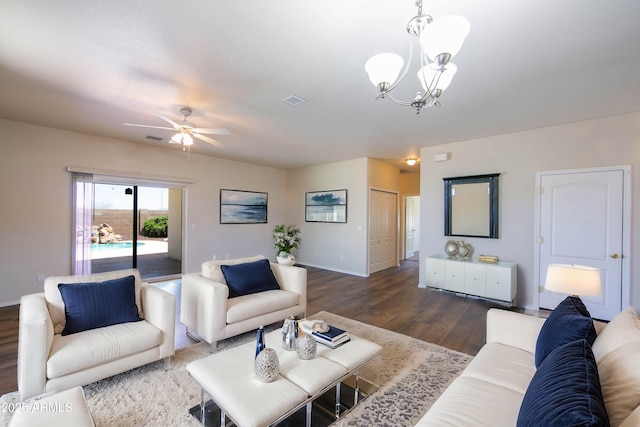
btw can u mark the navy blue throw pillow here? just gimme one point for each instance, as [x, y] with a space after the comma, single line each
[98, 304]
[570, 321]
[249, 278]
[565, 391]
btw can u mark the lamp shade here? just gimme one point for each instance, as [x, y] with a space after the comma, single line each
[444, 35]
[182, 137]
[427, 74]
[384, 68]
[573, 279]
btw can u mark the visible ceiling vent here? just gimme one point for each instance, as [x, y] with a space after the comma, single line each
[294, 100]
[154, 138]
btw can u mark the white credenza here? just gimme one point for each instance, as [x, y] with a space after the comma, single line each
[496, 281]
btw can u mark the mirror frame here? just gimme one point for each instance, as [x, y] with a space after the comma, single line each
[492, 179]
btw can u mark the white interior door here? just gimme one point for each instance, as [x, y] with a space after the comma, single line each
[383, 223]
[412, 225]
[581, 222]
[408, 227]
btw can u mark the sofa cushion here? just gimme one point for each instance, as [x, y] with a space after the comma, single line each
[623, 329]
[250, 306]
[507, 366]
[570, 321]
[77, 352]
[468, 401]
[249, 278]
[54, 299]
[620, 380]
[211, 269]
[565, 390]
[95, 305]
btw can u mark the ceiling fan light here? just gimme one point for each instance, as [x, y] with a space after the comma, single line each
[427, 73]
[384, 68]
[176, 139]
[186, 139]
[444, 35]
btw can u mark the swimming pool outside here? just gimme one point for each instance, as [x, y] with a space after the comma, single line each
[124, 249]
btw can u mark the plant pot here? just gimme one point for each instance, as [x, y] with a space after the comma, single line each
[290, 260]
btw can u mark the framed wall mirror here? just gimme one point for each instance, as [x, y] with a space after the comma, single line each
[471, 206]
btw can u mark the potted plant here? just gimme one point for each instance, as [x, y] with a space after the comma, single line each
[286, 238]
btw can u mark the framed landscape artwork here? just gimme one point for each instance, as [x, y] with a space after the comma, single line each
[243, 207]
[326, 206]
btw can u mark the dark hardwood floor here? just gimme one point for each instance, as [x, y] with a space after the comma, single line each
[389, 299]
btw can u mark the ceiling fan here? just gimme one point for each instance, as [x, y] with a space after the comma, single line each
[186, 131]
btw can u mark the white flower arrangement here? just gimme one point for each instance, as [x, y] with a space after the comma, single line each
[286, 238]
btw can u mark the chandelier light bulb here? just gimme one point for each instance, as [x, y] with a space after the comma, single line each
[428, 76]
[384, 68]
[444, 35]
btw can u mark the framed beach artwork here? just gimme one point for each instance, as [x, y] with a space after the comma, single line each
[326, 206]
[243, 207]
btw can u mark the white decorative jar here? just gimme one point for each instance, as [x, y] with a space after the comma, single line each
[306, 347]
[267, 365]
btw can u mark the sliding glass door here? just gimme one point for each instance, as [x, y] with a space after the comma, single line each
[135, 226]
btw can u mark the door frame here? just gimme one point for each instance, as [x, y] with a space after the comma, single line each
[626, 229]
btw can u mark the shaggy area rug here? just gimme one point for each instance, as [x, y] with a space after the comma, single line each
[413, 374]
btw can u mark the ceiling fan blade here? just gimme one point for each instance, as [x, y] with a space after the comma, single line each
[218, 131]
[163, 117]
[207, 139]
[147, 126]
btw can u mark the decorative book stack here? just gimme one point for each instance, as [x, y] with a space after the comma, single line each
[333, 337]
[488, 258]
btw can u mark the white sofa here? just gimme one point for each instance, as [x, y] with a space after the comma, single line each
[49, 361]
[208, 313]
[489, 392]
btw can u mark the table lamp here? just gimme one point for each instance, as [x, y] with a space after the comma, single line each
[573, 279]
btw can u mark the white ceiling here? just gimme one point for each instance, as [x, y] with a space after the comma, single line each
[91, 66]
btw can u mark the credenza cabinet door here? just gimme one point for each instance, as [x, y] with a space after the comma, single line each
[475, 279]
[501, 283]
[455, 276]
[436, 273]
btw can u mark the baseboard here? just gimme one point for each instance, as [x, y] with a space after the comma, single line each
[323, 267]
[9, 303]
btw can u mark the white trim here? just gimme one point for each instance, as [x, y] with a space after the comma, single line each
[131, 175]
[626, 229]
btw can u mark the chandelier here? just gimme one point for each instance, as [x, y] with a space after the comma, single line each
[440, 40]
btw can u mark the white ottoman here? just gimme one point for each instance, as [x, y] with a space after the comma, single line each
[65, 409]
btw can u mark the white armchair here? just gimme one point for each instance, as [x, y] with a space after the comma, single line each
[209, 314]
[49, 361]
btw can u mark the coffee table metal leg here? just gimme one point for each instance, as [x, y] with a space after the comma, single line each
[356, 392]
[309, 414]
[338, 400]
[203, 419]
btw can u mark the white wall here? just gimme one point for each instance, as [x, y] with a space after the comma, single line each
[611, 141]
[36, 194]
[339, 247]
